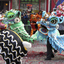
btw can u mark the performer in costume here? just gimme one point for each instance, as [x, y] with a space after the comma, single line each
[13, 21]
[33, 19]
[50, 32]
[12, 48]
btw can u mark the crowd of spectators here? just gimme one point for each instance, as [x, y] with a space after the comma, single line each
[24, 17]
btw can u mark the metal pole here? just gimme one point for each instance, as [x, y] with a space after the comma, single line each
[50, 5]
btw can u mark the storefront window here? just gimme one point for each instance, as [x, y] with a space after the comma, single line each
[34, 3]
[29, 0]
[25, 0]
[42, 5]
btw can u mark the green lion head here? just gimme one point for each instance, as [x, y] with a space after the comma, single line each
[12, 16]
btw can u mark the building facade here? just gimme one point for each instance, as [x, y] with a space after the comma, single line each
[36, 4]
[21, 4]
[46, 5]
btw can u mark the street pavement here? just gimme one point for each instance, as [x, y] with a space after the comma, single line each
[37, 54]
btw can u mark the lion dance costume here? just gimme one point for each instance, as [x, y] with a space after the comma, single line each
[12, 48]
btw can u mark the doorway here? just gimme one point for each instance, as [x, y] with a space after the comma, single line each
[4, 5]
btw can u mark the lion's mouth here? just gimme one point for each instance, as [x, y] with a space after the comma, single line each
[43, 30]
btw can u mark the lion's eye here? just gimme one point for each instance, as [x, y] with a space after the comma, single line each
[9, 16]
[17, 20]
[12, 15]
[54, 21]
